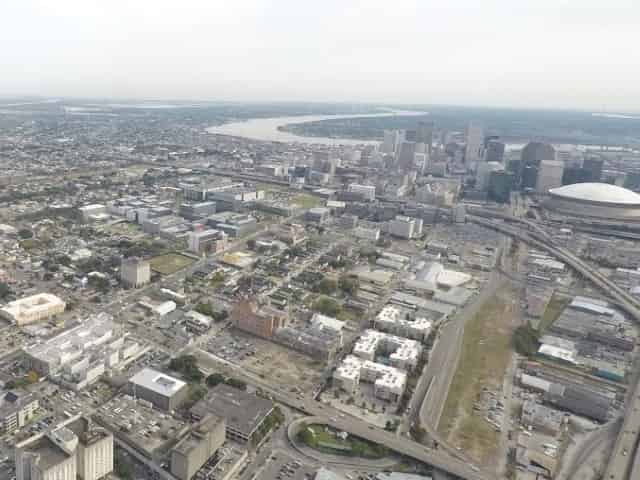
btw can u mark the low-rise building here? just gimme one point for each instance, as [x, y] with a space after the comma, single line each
[391, 320]
[243, 412]
[35, 308]
[206, 241]
[164, 391]
[405, 227]
[16, 409]
[389, 382]
[366, 192]
[78, 356]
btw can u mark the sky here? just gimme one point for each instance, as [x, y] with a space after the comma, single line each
[582, 54]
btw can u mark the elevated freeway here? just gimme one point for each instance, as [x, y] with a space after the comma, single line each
[624, 462]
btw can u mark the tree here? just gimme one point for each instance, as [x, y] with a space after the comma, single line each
[349, 284]
[205, 309]
[5, 290]
[327, 286]
[326, 306]
[25, 233]
[525, 340]
[215, 379]
[234, 382]
[32, 377]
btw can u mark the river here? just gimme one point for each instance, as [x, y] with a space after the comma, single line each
[266, 129]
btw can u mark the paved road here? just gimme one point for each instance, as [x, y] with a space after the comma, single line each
[444, 357]
[622, 460]
[438, 458]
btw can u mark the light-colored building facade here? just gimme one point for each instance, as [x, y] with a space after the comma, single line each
[35, 308]
[405, 227]
[368, 192]
[135, 272]
[549, 175]
[195, 449]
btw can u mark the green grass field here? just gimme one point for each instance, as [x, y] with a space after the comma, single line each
[484, 357]
[304, 200]
[555, 307]
[170, 263]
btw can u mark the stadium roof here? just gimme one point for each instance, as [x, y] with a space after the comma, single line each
[597, 192]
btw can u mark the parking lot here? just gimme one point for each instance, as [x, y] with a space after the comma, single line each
[283, 467]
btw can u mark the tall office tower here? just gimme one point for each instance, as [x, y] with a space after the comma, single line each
[424, 134]
[474, 137]
[593, 166]
[410, 135]
[549, 175]
[483, 174]
[493, 150]
[135, 272]
[392, 138]
[406, 153]
[532, 154]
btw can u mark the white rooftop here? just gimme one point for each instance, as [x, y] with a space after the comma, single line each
[157, 382]
[597, 192]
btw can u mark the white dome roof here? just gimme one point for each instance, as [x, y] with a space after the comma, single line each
[597, 193]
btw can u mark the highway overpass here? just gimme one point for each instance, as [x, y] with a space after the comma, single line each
[624, 463]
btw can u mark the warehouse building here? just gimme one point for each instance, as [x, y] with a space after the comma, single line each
[165, 392]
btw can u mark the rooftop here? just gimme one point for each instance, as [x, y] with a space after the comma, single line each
[598, 193]
[242, 411]
[157, 382]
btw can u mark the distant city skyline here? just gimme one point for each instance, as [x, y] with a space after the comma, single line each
[533, 54]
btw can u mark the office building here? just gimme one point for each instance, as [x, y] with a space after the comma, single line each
[549, 176]
[244, 413]
[197, 446]
[35, 308]
[135, 272]
[405, 155]
[247, 317]
[75, 450]
[483, 174]
[78, 356]
[93, 212]
[366, 233]
[94, 453]
[594, 168]
[16, 409]
[368, 192]
[474, 139]
[531, 156]
[319, 215]
[165, 392]
[195, 211]
[424, 134]
[206, 241]
[494, 150]
[233, 224]
[50, 456]
[405, 227]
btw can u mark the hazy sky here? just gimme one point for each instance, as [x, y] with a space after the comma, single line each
[541, 53]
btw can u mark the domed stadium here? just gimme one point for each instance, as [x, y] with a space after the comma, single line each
[596, 200]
